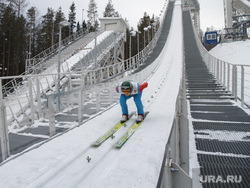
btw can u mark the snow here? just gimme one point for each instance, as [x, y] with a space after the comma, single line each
[220, 135]
[234, 52]
[61, 162]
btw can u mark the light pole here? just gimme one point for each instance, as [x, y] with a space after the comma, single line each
[52, 41]
[149, 27]
[53, 28]
[94, 12]
[29, 55]
[153, 29]
[115, 55]
[145, 29]
[61, 24]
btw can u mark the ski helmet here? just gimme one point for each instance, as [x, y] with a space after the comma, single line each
[126, 86]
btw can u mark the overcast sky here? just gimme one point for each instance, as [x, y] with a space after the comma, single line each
[211, 11]
[211, 14]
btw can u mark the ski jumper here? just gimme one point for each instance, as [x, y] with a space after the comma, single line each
[136, 93]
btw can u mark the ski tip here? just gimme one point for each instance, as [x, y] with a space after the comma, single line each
[95, 145]
[118, 146]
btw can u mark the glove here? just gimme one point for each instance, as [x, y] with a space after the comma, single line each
[143, 86]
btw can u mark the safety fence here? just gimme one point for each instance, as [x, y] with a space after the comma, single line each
[234, 77]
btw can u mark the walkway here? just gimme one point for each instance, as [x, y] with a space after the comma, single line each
[220, 126]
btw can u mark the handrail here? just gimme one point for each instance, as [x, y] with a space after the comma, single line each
[16, 81]
[37, 59]
[34, 89]
[45, 82]
[234, 77]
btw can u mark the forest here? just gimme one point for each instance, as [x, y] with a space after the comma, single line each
[24, 35]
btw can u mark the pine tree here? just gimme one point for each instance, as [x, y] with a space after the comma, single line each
[20, 54]
[110, 11]
[84, 26]
[31, 15]
[18, 34]
[8, 21]
[45, 36]
[2, 40]
[58, 18]
[92, 15]
[18, 5]
[78, 28]
[72, 18]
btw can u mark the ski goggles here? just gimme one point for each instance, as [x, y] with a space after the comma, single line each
[126, 91]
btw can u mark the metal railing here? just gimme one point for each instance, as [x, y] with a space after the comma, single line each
[36, 64]
[19, 100]
[38, 98]
[35, 61]
[35, 97]
[16, 95]
[234, 77]
[101, 49]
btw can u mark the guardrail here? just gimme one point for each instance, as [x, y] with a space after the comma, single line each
[39, 58]
[35, 96]
[102, 49]
[34, 86]
[234, 77]
[36, 64]
[175, 169]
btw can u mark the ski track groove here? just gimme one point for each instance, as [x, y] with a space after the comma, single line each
[88, 171]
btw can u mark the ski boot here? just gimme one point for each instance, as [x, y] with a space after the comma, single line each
[140, 118]
[124, 118]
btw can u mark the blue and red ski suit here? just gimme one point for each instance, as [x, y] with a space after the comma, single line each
[136, 93]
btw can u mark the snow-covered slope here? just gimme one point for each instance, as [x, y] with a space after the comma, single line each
[62, 162]
[234, 52]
